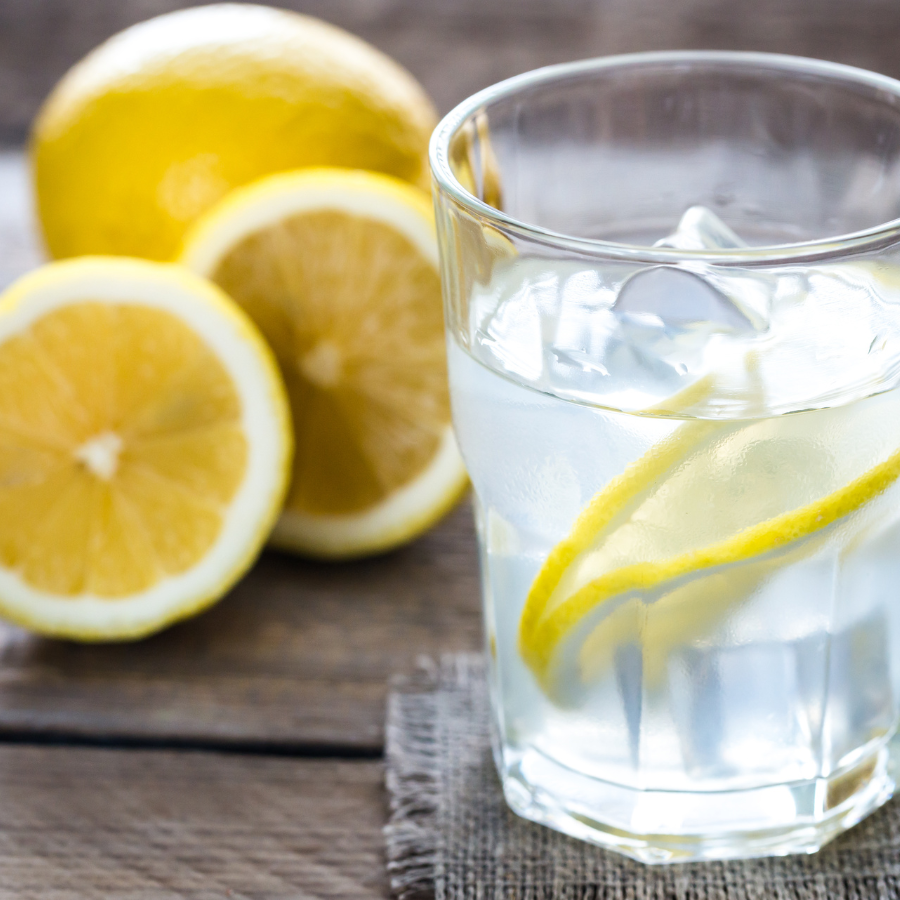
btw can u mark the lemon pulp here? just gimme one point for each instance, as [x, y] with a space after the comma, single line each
[120, 445]
[353, 313]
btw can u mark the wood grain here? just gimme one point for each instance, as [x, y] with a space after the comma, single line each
[297, 656]
[88, 823]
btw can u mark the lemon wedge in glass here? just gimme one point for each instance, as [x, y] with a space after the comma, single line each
[693, 527]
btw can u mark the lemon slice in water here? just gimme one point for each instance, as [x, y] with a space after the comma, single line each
[695, 525]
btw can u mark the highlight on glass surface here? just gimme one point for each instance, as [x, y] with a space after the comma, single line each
[672, 289]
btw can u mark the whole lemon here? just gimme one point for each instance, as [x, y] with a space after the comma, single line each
[158, 123]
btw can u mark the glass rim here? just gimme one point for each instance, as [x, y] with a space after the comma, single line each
[873, 238]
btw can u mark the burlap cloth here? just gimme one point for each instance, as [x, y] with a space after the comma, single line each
[451, 836]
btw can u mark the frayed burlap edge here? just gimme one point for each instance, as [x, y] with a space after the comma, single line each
[412, 752]
[419, 706]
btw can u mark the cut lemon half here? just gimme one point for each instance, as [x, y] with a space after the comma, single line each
[144, 447]
[695, 526]
[339, 269]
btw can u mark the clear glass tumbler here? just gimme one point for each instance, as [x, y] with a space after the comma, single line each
[672, 292]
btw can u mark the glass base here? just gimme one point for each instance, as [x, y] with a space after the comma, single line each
[679, 826]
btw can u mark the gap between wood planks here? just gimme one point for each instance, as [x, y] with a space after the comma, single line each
[242, 748]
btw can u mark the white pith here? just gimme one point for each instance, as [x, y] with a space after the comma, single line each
[100, 454]
[134, 283]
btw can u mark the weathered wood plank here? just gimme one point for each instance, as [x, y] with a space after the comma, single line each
[455, 47]
[88, 823]
[297, 655]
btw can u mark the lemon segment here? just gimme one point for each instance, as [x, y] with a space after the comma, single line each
[163, 120]
[144, 447]
[339, 270]
[696, 525]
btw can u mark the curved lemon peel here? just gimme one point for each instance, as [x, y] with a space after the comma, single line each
[612, 500]
[161, 121]
[539, 635]
[540, 631]
[604, 508]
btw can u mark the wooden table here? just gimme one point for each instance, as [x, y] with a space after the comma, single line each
[238, 754]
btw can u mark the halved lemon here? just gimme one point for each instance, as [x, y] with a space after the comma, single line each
[695, 526]
[144, 447]
[339, 269]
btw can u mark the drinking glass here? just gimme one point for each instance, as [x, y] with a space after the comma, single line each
[672, 294]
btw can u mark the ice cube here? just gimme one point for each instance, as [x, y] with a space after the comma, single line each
[630, 360]
[525, 308]
[692, 292]
[701, 229]
[609, 331]
[861, 705]
[629, 677]
[679, 297]
[739, 710]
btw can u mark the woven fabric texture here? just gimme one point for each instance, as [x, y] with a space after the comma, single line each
[451, 835]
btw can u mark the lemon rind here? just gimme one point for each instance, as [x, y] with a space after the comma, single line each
[617, 498]
[338, 96]
[601, 512]
[269, 200]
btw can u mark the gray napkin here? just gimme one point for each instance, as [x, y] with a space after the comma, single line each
[451, 835]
